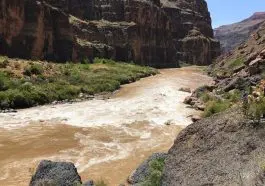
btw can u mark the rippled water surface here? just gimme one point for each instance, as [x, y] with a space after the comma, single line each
[106, 139]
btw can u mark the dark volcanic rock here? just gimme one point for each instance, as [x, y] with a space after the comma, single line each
[149, 32]
[142, 171]
[56, 173]
[233, 35]
[221, 150]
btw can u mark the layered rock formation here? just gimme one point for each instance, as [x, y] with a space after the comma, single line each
[232, 35]
[245, 63]
[150, 32]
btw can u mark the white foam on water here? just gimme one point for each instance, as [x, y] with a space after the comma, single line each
[157, 107]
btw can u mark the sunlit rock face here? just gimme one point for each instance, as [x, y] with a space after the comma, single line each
[148, 32]
[231, 36]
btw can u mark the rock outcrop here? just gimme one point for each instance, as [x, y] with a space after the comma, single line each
[55, 173]
[149, 32]
[227, 148]
[221, 150]
[242, 67]
[230, 36]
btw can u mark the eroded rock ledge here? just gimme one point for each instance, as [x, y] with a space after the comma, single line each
[150, 32]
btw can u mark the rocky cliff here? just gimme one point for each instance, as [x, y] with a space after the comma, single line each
[149, 32]
[226, 148]
[246, 61]
[232, 35]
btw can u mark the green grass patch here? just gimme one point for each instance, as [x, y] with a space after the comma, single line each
[215, 105]
[155, 173]
[41, 83]
[255, 108]
[34, 69]
[237, 62]
[100, 183]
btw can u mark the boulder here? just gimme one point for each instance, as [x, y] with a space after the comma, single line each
[238, 69]
[262, 54]
[236, 83]
[251, 57]
[185, 89]
[219, 150]
[201, 107]
[188, 100]
[253, 70]
[55, 173]
[142, 171]
[255, 62]
[195, 118]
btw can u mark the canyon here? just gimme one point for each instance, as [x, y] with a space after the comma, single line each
[148, 32]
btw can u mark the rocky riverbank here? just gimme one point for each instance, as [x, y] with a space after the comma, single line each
[226, 145]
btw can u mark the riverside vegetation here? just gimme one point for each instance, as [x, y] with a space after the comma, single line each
[29, 83]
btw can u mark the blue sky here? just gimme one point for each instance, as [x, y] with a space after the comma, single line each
[230, 11]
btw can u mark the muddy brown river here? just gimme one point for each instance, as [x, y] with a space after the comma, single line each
[106, 139]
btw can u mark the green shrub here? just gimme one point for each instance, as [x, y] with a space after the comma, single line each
[34, 69]
[236, 62]
[85, 60]
[215, 106]
[155, 172]
[4, 63]
[4, 82]
[256, 109]
[100, 183]
[233, 96]
[205, 97]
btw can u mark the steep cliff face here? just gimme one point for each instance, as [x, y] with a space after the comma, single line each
[151, 32]
[232, 35]
[33, 29]
[245, 60]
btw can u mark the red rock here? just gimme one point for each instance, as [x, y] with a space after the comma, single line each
[146, 32]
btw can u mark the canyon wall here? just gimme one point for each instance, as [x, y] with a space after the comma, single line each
[230, 36]
[148, 32]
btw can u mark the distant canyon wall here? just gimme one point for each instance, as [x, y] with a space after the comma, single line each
[148, 32]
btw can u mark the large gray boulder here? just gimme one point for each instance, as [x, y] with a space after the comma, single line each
[223, 150]
[55, 174]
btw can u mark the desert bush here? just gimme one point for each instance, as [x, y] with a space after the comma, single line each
[236, 62]
[205, 97]
[34, 69]
[4, 63]
[215, 106]
[255, 108]
[155, 172]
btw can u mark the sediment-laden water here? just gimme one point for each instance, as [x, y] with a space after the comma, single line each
[106, 139]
